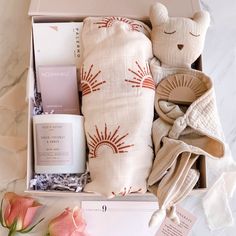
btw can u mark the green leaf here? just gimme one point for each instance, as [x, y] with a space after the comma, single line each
[1, 217]
[25, 231]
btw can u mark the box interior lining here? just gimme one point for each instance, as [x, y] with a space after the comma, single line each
[201, 163]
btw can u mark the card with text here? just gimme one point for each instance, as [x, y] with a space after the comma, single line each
[57, 44]
[131, 218]
[118, 218]
[169, 228]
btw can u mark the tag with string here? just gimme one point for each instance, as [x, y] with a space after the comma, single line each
[169, 228]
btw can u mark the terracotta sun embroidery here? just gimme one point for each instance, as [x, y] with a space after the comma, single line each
[142, 77]
[109, 21]
[89, 82]
[109, 140]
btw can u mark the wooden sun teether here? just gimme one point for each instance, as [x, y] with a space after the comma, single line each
[181, 89]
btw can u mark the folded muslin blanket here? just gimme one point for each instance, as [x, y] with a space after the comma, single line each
[191, 133]
[118, 100]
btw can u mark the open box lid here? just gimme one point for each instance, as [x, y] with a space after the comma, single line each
[138, 9]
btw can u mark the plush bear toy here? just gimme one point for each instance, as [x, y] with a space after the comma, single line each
[177, 41]
[188, 127]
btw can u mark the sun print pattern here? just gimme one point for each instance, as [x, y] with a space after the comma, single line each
[107, 139]
[142, 77]
[109, 21]
[89, 81]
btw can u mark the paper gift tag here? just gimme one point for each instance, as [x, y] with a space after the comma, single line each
[169, 228]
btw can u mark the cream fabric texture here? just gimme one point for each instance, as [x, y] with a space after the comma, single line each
[193, 134]
[177, 41]
[118, 100]
[216, 202]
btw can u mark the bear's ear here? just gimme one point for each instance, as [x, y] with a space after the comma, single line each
[202, 18]
[158, 14]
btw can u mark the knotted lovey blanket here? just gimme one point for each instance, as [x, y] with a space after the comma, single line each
[181, 135]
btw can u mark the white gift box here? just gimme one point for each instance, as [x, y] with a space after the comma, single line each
[43, 11]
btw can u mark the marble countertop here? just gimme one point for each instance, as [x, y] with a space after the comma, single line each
[219, 61]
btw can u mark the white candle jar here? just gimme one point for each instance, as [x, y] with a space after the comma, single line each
[59, 144]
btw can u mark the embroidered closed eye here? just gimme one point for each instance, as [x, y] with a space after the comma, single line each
[169, 32]
[195, 35]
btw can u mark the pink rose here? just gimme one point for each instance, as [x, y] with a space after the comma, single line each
[68, 223]
[19, 212]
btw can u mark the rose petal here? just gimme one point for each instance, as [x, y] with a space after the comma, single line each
[30, 213]
[17, 208]
[60, 217]
[7, 213]
[78, 220]
[67, 224]
[61, 225]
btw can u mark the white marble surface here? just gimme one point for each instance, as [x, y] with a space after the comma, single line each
[219, 60]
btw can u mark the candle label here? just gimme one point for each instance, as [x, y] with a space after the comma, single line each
[54, 144]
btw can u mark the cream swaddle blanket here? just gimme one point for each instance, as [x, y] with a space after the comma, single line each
[118, 100]
[193, 132]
